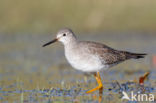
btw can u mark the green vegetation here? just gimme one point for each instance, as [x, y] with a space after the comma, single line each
[44, 16]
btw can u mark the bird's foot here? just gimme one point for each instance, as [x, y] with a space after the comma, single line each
[100, 88]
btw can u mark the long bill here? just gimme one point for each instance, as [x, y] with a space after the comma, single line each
[53, 41]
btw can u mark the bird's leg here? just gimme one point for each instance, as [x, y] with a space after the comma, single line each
[100, 85]
[101, 88]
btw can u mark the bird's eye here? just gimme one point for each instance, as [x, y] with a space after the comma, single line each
[64, 34]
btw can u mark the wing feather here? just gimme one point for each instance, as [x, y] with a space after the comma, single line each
[106, 54]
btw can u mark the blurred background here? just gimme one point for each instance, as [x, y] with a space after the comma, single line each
[46, 16]
[25, 25]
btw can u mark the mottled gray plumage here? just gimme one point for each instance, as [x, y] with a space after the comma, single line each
[91, 56]
[107, 54]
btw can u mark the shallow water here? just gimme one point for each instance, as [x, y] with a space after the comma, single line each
[30, 73]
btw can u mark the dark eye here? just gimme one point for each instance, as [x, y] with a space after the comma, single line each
[64, 34]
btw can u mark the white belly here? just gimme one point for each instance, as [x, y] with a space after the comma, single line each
[84, 62]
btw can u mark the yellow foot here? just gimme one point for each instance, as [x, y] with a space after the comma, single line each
[100, 86]
[97, 88]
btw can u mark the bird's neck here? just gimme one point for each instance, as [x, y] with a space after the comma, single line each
[71, 44]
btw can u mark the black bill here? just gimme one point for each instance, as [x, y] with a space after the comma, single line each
[53, 41]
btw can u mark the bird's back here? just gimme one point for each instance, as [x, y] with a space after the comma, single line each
[90, 56]
[107, 54]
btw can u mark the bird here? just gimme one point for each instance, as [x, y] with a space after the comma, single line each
[91, 57]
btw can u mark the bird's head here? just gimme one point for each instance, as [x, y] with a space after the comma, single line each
[64, 36]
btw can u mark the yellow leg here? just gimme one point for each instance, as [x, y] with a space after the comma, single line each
[100, 85]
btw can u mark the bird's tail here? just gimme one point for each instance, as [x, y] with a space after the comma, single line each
[136, 55]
